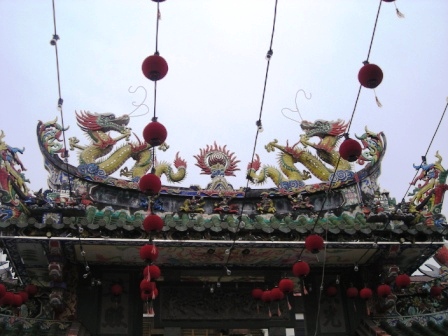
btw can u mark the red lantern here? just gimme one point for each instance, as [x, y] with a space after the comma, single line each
[149, 252]
[314, 243]
[17, 300]
[277, 294]
[155, 133]
[31, 289]
[150, 184]
[435, 291]
[301, 269]
[383, 290]
[266, 296]
[370, 75]
[332, 291]
[8, 298]
[257, 293]
[152, 272]
[350, 150]
[152, 223]
[365, 293]
[155, 67]
[116, 289]
[286, 285]
[352, 292]
[2, 290]
[24, 296]
[403, 280]
[147, 286]
[149, 296]
[441, 256]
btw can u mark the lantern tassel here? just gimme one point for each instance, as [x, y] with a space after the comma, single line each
[378, 101]
[354, 306]
[279, 312]
[289, 305]
[258, 308]
[399, 14]
[269, 311]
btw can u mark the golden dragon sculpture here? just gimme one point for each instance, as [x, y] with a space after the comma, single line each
[103, 157]
[321, 165]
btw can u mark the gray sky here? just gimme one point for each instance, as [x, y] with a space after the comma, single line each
[216, 51]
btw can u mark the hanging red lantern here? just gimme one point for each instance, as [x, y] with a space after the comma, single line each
[116, 289]
[370, 75]
[383, 290]
[314, 243]
[149, 252]
[435, 291]
[301, 269]
[286, 285]
[8, 299]
[266, 296]
[277, 294]
[365, 293]
[441, 256]
[17, 300]
[155, 133]
[2, 290]
[31, 289]
[24, 295]
[150, 184]
[332, 291]
[147, 286]
[155, 67]
[152, 223]
[350, 149]
[402, 280]
[149, 296]
[152, 272]
[352, 292]
[257, 293]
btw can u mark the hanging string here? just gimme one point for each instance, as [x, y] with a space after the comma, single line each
[259, 129]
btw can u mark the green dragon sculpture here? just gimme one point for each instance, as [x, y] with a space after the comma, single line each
[320, 165]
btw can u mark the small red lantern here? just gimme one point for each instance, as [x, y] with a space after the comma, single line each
[155, 133]
[301, 269]
[441, 256]
[152, 272]
[332, 291]
[435, 291]
[31, 289]
[257, 293]
[116, 289]
[8, 298]
[152, 223]
[150, 184]
[147, 286]
[2, 290]
[149, 252]
[24, 296]
[403, 280]
[352, 292]
[277, 294]
[350, 150]
[383, 290]
[286, 285]
[314, 243]
[370, 75]
[155, 67]
[17, 300]
[266, 296]
[365, 293]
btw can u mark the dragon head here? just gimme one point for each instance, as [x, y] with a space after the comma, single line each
[105, 122]
[322, 128]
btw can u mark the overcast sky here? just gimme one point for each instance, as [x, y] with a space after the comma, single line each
[216, 51]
